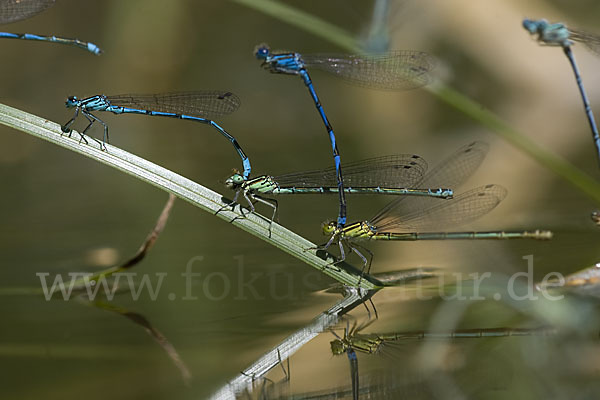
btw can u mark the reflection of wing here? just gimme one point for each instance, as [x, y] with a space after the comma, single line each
[16, 10]
[444, 214]
[397, 70]
[395, 171]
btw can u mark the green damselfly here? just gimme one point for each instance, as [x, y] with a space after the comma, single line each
[388, 175]
[412, 218]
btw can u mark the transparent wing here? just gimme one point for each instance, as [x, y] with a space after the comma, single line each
[457, 168]
[201, 104]
[399, 70]
[590, 40]
[449, 173]
[446, 214]
[16, 10]
[396, 171]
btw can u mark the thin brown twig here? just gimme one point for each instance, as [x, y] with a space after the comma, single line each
[152, 236]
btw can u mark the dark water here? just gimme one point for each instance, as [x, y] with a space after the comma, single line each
[63, 213]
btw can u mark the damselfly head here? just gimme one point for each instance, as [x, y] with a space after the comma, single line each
[234, 181]
[262, 51]
[71, 101]
[329, 227]
[549, 34]
[533, 26]
[337, 347]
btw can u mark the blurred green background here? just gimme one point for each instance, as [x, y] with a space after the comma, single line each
[65, 213]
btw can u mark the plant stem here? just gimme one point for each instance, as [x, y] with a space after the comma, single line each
[185, 189]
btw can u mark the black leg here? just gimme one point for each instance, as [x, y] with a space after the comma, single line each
[233, 202]
[374, 308]
[66, 128]
[93, 118]
[247, 196]
[326, 245]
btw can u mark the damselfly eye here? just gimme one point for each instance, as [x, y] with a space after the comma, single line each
[237, 179]
[262, 51]
[234, 181]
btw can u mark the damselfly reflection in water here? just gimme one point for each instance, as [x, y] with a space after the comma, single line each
[375, 343]
[399, 379]
[389, 344]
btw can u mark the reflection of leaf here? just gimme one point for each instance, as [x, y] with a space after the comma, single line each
[392, 278]
[158, 337]
[397, 278]
[138, 318]
[289, 345]
[585, 282]
[133, 316]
